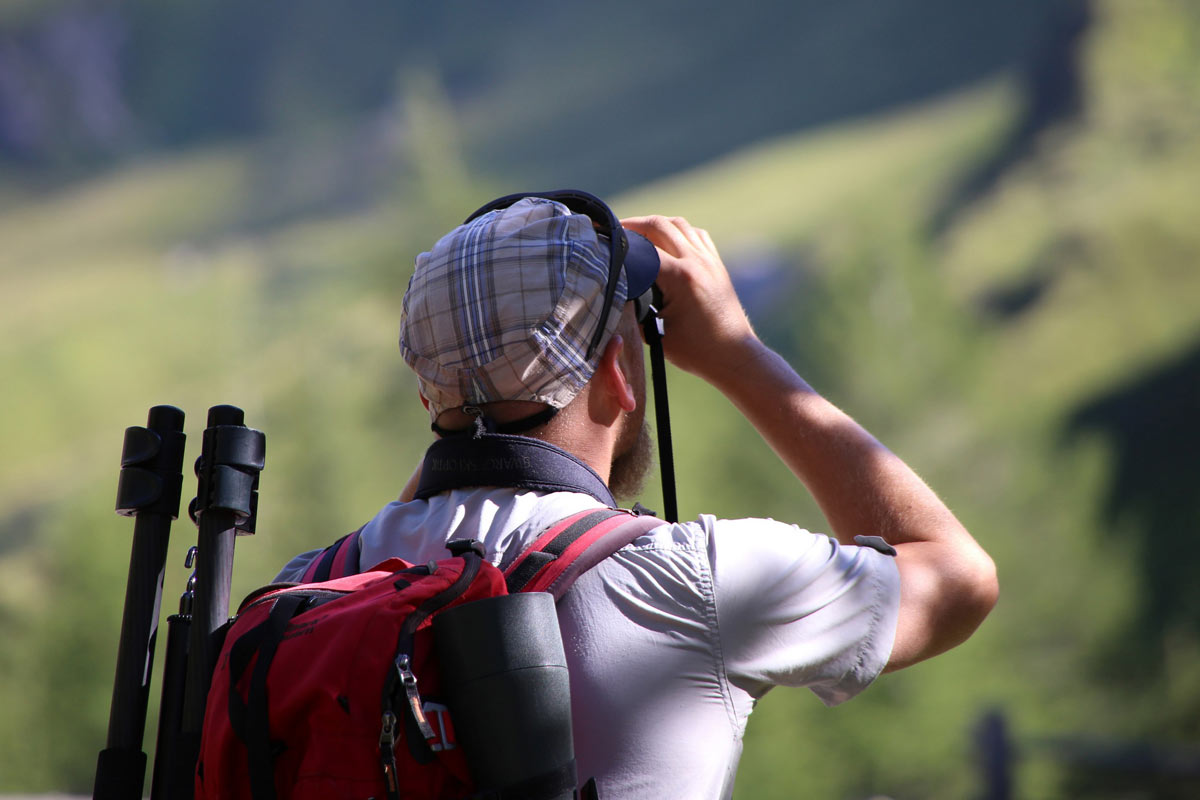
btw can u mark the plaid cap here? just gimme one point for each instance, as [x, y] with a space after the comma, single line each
[503, 308]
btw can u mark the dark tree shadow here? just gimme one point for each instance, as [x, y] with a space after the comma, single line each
[1153, 496]
[1152, 502]
[1051, 87]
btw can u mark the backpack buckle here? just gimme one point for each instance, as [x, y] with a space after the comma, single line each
[460, 547]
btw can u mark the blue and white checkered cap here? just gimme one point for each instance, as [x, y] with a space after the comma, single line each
[504, 308]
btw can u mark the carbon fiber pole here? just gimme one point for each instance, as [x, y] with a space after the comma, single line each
[171, 778]
[226, 504]
[148, 490]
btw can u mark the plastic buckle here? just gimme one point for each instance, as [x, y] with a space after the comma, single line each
[459, 547]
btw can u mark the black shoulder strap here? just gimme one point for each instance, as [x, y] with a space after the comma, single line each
[572, 546]
[249, 718]
[491, 459]
[495, 459]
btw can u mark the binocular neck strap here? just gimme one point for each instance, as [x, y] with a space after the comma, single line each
[652, 330]
[496, 459]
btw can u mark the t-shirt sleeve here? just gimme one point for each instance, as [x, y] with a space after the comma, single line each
[293, 571]
[799, 609]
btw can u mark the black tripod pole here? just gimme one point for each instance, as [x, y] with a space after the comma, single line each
[225, 505]
[148, 490]
[171, 778]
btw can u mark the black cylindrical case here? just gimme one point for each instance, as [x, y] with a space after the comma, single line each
[504, 673]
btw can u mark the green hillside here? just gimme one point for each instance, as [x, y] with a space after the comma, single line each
[1031, 349]
[608, 98]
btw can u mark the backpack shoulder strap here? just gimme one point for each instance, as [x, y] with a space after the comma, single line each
[573, 545]
[336, 561]
[561, 554]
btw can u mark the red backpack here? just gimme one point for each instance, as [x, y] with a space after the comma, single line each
[341, 688]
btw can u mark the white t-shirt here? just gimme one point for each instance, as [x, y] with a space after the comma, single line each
[671, 640]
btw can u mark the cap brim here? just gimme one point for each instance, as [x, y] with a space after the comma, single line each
[641, 264]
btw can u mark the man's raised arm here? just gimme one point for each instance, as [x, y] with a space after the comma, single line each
[947, 582]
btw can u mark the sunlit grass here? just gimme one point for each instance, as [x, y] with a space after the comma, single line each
[168, 198]
[799, 188]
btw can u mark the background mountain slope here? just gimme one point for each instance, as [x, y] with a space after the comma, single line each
[999, 281]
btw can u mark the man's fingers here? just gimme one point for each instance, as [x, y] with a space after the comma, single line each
[662, 232]
[694, 235]
[674, 235]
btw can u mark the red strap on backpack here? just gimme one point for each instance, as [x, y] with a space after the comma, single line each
[336, 561]
[562, 553]
[572, 546]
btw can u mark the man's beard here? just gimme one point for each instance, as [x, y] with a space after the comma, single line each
[631, 466]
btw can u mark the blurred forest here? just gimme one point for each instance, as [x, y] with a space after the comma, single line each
[971, 225]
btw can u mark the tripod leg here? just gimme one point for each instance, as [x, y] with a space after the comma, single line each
[169, 779]
[226, 503]
[149, 489]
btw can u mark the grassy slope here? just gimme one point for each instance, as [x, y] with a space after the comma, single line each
[119, 295]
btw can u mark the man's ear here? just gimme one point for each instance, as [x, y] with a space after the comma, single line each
[610, 370]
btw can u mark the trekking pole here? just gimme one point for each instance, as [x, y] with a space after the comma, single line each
[148, 489]
[226, 504]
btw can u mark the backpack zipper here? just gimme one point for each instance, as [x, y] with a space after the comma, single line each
[413, 697]
[403, 676]
[387, 755]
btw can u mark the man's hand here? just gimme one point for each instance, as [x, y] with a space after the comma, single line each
[707, 331]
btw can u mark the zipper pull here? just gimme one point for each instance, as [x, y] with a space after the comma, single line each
[387, 755]
[413, 697]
